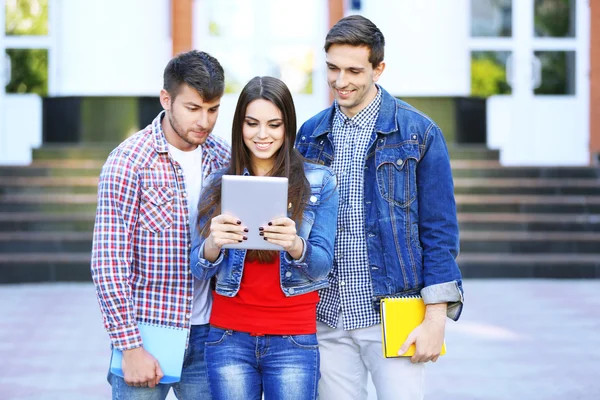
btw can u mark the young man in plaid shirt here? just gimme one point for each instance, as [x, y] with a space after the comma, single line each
[147, 204]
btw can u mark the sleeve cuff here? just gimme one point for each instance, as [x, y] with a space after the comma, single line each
[125, 337]
[301, 260]
[207, 264]
[448, 292]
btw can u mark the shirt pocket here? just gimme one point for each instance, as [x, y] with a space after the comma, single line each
[396, 173]
[156, 208]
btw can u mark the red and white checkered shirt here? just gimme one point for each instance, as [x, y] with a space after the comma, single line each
[140, 253]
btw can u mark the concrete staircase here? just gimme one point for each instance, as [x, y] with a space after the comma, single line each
[515, 222]
[47, 214]
[541, 222]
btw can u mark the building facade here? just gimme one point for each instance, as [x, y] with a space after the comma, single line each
[533, 61]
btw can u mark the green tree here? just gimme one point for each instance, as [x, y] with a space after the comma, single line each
[29, 72]
[487, 77]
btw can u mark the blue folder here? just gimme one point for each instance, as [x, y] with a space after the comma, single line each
[166, 343]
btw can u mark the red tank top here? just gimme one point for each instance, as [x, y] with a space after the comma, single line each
[260, 307]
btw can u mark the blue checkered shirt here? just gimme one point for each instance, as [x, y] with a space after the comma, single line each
[350, 289]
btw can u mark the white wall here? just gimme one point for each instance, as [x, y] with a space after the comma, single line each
[426, 50]
[21, 128]
[111, 47]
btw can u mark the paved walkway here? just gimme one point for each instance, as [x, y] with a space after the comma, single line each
[517, 339]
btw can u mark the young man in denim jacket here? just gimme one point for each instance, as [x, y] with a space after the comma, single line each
[397, 231]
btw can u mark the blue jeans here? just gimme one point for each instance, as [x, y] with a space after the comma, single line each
[243, 367]
[192, 386]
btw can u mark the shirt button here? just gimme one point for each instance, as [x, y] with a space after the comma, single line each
[190, 298]
[313, 199]
[341, 229]
[188, 316]
[180, 171]
[399, 161]
[342, 283]
[184, 194]
[288, 274]
[340, 256]
[414, 137]
[303, 137]
[292, 291]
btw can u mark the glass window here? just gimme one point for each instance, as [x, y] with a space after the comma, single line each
[555, 72]
[26, 17]
[491, 18]
[29, 71]
[554, 18]
[488, 73]
[264, 37]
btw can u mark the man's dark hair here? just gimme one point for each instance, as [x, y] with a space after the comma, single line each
[199, 70]
[356, 30]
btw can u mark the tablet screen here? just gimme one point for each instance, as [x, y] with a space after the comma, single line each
[254, 200]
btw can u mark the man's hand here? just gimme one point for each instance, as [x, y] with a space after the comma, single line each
[140, 369]
[429, 336]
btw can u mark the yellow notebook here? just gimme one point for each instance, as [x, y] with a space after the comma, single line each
[399, 316]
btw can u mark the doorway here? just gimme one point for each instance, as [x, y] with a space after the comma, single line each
[531, 57]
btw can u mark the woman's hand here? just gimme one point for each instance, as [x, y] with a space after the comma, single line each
[224, 229]
[282, 232]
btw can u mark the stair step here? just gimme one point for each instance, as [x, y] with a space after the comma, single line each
[48, 203]
[54, 169]
[528, 222]
[462, 170]
[74, 152]
[45, 242]
[43, 221]
[528, 204]
[530, 242]
[472, 152]
[541, 265]
[48, 185]
[539, 186]
[45, 267]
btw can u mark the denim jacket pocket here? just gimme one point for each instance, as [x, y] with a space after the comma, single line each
[156, 208]
[396, 173]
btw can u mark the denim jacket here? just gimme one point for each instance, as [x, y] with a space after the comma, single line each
[297, 277]
[410, 223]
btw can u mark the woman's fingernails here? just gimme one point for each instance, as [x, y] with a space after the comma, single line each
[260, 228]
[261, 233]
[265, 238]
[245, 229]
[270, 223]
[238, 222]
[245, 237]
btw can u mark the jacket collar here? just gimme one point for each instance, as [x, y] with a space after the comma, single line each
[386, 120]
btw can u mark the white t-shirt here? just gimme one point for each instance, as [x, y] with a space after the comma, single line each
[191, 163]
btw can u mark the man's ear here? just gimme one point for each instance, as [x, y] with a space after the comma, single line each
[165, 100]
[378, 71]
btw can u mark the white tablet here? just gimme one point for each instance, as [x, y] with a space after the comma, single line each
[254, 200]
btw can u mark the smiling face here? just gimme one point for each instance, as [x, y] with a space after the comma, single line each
[189, 119]
[351, 77]
[263, 133]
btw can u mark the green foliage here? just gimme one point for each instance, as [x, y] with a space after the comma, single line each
[29, 67]
[487, 77]
[26, 17]
[29, 72]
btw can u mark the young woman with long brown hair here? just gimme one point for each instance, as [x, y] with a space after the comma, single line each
[262, 338]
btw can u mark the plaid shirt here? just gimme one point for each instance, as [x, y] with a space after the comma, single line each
[350, 289]
[140, 254]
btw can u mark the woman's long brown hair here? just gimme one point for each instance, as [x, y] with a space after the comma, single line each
[288, 162]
